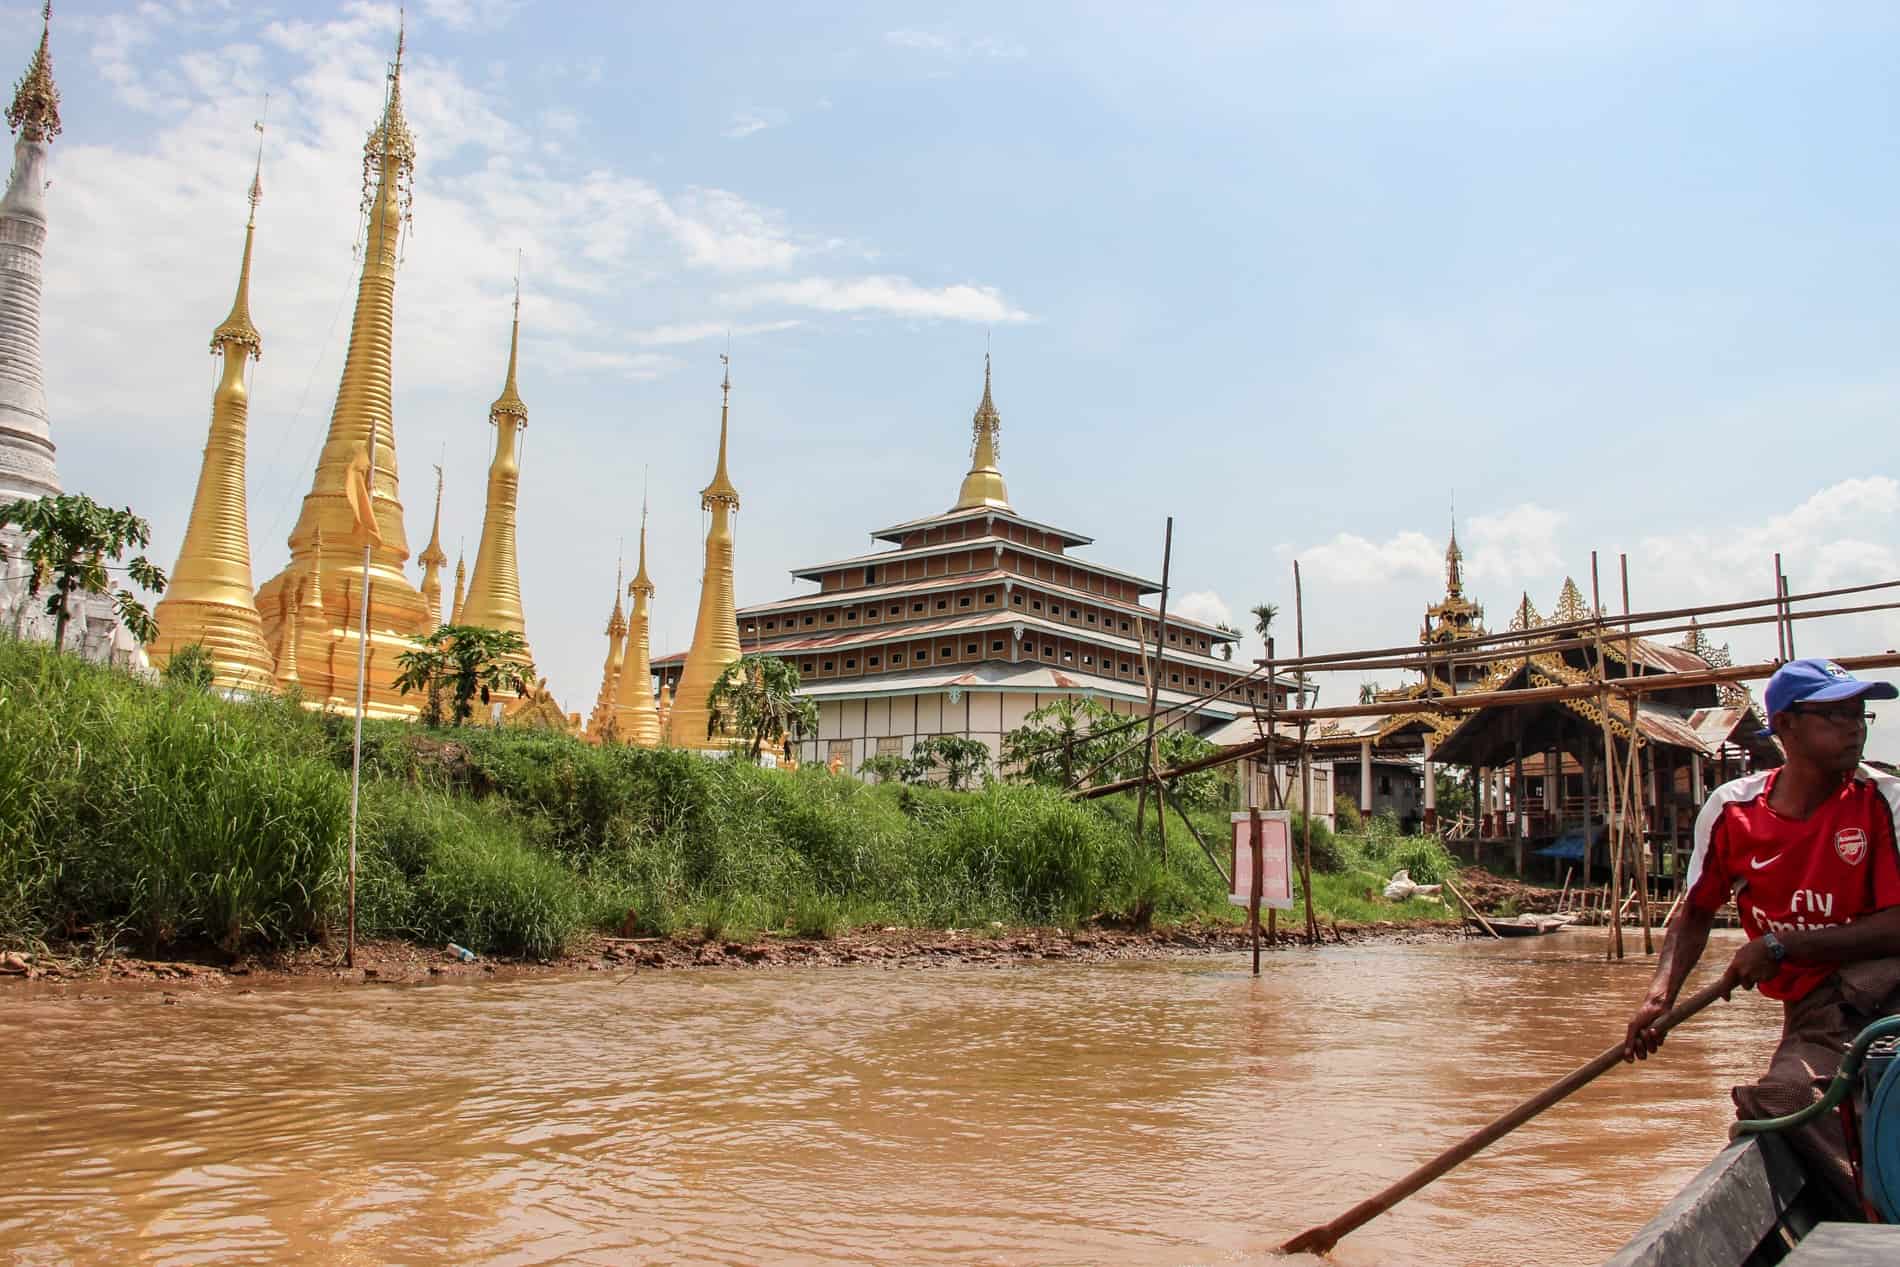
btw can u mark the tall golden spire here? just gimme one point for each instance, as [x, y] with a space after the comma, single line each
[636, 713]
[432, 558]
[984, 486]
[603, 724]
[461, 574]
[716, 631]
[362, 419]
[34, 113]
[209, 599]
[494, 588]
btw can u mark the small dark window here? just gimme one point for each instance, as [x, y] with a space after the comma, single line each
[1124, 626]
[1124, 670]
[870, 576]
[1089, 659]
[829, 665]
[1074, 614]
[972, 648]
[810, 620]
[806, 667]
[897, 609]
[965, 602]
[897, 657]
[947, 652]
[872, 661]
[773, 624]
[943, 604]
[923, 655]
[831, 618]
[1036, 606]
[850, 664]
[996, 644]
[1175, 678]
[1092, 621]
[851, 615]
[1385, 789]
[1048, 653]
[989, 600]
[1171, 637]
[1068, 657]
[916, 607]
[1016, 599]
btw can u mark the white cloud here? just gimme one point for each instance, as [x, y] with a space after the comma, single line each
[749, 120]
[941, 44]
[888, 294]
[1521, 541]
[1353, 560]
[700, 331]
[1205, 606]
[471, 15]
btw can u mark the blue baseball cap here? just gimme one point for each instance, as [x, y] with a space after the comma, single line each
[1819, 682]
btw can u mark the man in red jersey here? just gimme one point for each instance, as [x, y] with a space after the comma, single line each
[1808, 851]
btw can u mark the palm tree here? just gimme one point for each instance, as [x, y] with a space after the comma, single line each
[1263, 619]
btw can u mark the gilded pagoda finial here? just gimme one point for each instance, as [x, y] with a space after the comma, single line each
[34, 113]
[509, 403]
[237, 329]
[721, 488]
[641, 583]
[983, 485]
[617, 622]
[1454, 566]
[390, 152]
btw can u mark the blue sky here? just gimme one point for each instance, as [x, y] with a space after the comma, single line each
[1616, 276]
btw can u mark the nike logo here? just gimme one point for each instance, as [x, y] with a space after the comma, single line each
[1759, 863]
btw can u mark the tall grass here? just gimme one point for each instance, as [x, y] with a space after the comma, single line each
[175, 815]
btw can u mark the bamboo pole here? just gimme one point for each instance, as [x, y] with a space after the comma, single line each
[1306, 770]
[1258, 837]
[1633, 778]
[1154, 687]
[1475, 913]
[1614, 949]
[1273, 776]
[1782, 650]
[356, 746]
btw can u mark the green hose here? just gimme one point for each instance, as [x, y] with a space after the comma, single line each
[1837, 1090]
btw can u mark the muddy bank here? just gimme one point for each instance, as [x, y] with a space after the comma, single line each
[394, 962]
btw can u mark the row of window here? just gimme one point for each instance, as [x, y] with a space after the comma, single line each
[875, 660]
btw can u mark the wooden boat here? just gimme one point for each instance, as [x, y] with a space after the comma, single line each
[1526, 925]
[1753, 1206]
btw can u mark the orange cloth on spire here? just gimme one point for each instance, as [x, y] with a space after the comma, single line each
[359, 490]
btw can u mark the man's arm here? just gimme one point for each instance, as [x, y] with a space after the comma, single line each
[1875, 936]
[1682, 947]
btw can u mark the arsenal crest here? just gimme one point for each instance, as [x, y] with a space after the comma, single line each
[1851, 844]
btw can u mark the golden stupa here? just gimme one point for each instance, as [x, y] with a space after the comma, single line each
[323, 582]
[603, 723]
[984, 486]
[209, 599]
[493, 600]
[432, 558]
[461, 578]
[637, 713]
[716, 631]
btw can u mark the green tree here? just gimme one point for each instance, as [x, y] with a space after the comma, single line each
[190, 666]
[465, 662]
[757, 699]
[1263, 618]
[886, 767]
[1227, 648]
[1368, 692]
[68, 540]
[1074, 739]
[961, 760]
[1454, 794]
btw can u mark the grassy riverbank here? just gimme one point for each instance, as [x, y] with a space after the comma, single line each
[158, 815]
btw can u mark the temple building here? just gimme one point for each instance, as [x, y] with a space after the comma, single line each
[977, 617]
[209, 602]
[310, 609]
[716, 629]
[493, 600]
[27, 468]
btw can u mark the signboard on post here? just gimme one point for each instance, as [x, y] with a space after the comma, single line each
[1276, 853]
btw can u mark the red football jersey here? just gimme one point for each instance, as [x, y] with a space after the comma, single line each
[1833, 867]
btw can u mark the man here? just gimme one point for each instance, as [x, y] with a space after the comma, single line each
[1808, 851]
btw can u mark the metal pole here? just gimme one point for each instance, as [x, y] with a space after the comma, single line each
[356, 754]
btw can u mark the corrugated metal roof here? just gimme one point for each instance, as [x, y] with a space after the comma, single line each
[961, 516]
[988, 542]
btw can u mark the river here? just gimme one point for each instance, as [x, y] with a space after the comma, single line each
[1174, 1112]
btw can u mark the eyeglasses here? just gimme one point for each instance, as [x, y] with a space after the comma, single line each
[1847, 715]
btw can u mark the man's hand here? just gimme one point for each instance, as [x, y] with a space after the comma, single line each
[1643, 1037]
[1752, 965]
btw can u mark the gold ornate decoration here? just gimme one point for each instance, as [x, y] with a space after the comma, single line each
[984, 485]
[537, 710]
[389, 152]
[716, 630]
[637, 715]
[603, 724]
[494, 588]
[461, 575]
[209, 601]
[34, 113]
[362, 418]
[1454, 617]
[432, 558]
[1570, 606]
[1525, 618]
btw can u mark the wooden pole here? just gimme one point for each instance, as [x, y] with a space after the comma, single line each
[1273, 776]
[1154, 687]
[1306, 769]
[1475, 914]
[1781, 623]
[1564, 897]
[1253, 900]
[1633, 778]
[1320, 1239]
[1614, 949]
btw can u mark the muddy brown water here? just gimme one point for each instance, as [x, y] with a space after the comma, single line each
[1175, 1112]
